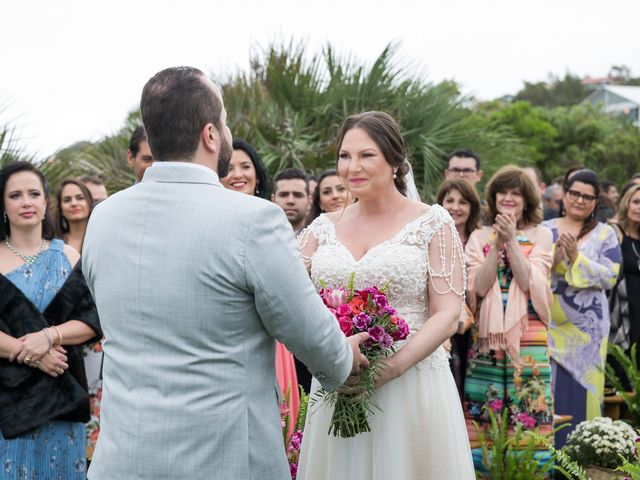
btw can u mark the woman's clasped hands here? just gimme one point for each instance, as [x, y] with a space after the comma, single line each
[35, 350]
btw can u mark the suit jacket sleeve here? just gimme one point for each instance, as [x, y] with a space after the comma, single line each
[290, 308]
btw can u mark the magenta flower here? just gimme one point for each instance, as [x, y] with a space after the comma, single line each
[362, 321]
[496, 405]
[376, 333]
[526, 420]
[402, 330]
[345, 325]
[294, 470]
[381, 303]
[343, 310]
[334, 297]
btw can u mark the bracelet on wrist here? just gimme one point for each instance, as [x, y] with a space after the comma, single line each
[47, 333]
[59, 335]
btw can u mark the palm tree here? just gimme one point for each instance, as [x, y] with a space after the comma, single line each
[290, 105]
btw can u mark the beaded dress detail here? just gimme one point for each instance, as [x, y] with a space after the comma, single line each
[421, 413]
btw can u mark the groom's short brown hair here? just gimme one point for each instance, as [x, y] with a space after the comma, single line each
[176, 103]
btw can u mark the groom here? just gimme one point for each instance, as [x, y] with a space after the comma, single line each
[193, 283]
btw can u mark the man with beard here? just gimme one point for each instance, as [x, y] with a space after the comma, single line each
[291, 193]
[193, 284]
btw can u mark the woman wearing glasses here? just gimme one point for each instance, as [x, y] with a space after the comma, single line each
[586, 261]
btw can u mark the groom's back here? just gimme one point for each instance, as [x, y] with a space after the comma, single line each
[188, 363]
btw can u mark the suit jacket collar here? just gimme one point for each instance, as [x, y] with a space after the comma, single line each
[180, 172]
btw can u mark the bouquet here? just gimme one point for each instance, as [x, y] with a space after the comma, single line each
[602, 442]
[361, 311]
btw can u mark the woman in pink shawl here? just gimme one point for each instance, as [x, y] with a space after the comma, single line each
[508, 264]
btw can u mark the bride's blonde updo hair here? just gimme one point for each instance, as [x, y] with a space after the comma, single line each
[384, 131]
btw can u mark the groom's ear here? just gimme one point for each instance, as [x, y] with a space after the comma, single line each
[208, 137]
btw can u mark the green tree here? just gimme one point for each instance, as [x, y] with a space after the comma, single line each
[554, 93]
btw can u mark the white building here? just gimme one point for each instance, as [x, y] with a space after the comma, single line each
[620, 100]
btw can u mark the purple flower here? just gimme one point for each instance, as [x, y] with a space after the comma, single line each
[381, 302]
[296, 439]
[386, 341]
[388, 309]
[294, 469]
[402, 330]
[376, 333]
[362, 321]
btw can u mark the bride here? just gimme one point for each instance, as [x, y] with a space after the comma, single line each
[389, 239]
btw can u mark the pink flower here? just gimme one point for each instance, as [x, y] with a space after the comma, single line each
[334, 297]
[526, 420]
[343, 310]
[496, 405]
[345, 325]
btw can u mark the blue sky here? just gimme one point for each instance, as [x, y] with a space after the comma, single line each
[72, 70]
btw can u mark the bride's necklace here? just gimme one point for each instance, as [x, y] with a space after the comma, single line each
[28, 259]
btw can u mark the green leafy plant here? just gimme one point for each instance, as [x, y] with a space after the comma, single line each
[630, 366]
[563, 463]
[510, 457]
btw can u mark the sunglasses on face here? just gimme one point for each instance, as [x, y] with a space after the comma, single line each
[575, 196]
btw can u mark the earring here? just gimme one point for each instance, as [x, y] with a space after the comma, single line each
[4, 217]
[65, 224]
[394, 175]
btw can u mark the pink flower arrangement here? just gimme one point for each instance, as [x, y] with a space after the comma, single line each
[356, 311]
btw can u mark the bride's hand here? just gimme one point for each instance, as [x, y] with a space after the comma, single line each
[389, 372]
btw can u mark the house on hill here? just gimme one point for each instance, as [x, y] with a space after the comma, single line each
[620, 100]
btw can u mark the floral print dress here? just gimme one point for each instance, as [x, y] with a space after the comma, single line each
[495, 382]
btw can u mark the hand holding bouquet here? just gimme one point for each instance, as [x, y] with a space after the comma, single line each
[361, 311]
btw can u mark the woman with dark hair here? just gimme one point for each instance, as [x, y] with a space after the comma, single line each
[461, 200]
[330, 195]
[73, 208]
[586, 262]
[508, 263]
[47, 313]
[246, 174]
[387, 238]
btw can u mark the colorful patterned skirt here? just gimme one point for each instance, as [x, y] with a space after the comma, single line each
[493, 382]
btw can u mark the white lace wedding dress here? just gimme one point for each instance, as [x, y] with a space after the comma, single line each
[420, 433]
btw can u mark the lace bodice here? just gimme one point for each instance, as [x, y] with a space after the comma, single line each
[400, 263]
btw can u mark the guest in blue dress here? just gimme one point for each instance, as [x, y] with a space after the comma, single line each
[46, 313]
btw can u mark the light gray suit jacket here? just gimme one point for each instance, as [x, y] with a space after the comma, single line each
[193, 284]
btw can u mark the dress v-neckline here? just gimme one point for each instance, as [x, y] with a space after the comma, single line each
[380, 244]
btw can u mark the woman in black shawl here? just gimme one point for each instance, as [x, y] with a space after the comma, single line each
[46, 313]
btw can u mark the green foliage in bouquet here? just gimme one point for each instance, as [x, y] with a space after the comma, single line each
[630, 366]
